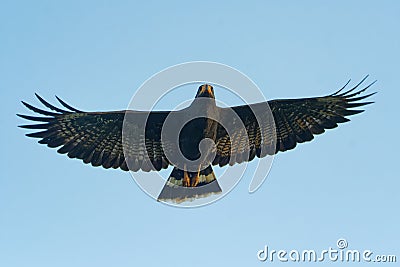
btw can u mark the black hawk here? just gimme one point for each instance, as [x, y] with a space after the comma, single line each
[96, 137]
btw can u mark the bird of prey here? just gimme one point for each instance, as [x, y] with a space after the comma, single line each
[96, 137]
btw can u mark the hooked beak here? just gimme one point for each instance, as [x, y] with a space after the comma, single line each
[206, 90]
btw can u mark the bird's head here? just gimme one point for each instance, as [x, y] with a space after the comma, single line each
[205, 90]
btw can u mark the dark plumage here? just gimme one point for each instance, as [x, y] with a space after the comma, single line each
[96, 137]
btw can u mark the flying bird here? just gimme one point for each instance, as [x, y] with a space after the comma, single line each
[97, 137]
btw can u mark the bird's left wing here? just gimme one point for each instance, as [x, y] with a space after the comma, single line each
[296, 121]
[96, 137]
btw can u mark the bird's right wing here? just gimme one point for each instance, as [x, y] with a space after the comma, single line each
[96, 137]
[296, 121]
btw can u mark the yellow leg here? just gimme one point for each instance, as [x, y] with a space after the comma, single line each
[186, 179]
[196, 179]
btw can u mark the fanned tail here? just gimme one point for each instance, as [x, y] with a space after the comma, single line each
[177, 190]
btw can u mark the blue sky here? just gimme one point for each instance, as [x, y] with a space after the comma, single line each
[94, 54]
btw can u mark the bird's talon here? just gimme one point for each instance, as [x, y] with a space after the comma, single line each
[186, 179]
[196, 180]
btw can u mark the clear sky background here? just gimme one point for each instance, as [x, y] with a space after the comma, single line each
[94, 54]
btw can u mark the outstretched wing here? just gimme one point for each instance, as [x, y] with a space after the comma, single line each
[96, 137]
[296, 121]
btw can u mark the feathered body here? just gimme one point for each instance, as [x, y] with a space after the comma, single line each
[97, 137]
